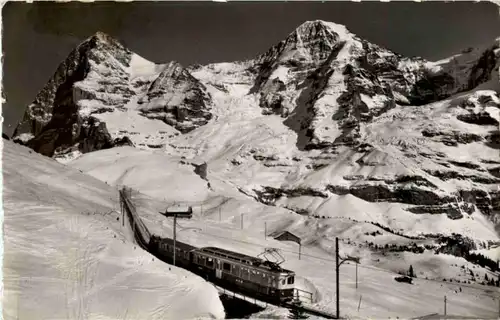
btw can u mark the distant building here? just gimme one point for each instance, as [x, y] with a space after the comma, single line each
[179, 210]
[286, 236]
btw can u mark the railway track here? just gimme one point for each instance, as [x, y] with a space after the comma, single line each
[142, 237]
[141, 232]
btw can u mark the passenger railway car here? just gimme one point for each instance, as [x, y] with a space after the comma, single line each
[232, 270]
[163, 248]
[246, 274]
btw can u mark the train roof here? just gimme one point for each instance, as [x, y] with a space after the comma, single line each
[178, 244]
[256, 262]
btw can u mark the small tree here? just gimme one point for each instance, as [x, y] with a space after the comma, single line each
[411, 273]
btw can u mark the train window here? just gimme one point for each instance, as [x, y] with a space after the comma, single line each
[210, 262]
[290, 280]
[226, 266]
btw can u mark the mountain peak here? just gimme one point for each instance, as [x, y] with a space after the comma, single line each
[103, 40]
[310, 43]
[318, 26]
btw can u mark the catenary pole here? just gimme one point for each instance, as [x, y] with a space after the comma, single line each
[337, 274]
[175, 227]
[356, 275]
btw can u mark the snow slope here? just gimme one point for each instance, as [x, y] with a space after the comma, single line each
[217, 222]
[67, 255]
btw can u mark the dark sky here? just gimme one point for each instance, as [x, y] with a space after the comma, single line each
[37, 37]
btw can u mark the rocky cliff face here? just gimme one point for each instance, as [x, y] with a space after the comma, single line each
[102, 77]
[177, 98]
[327, 82]
[54, 120]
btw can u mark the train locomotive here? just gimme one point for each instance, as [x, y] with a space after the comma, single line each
[254, 277]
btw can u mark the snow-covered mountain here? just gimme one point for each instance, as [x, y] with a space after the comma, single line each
[324, 126]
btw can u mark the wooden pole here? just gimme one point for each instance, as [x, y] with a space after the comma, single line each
[337, 274]
[265, 230]
[133, 222]
[356, 275]
[123, 210]
[359, 304]
[175, 226]
[444, 305]
[300, 249]
[242, 221]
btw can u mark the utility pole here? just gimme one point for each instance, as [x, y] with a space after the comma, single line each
[356, 275]
[122, 210]
[175, 228]
[265, 230]
[175, 213]
[444, 305]
[242, 221]
[337, 265]
[300, 249]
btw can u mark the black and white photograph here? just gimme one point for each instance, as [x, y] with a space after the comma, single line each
[172, 160]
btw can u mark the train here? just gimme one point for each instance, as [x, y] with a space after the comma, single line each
[252, 276]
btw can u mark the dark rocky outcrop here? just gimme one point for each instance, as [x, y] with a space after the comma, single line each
[379, 193]
[493, 139]
[451, 210]
[481, 118]
[453, 137]
[123, 141]
[456, 245]
[5, 136]
[481, 199]
[177, 98]
[269, 195]
[270, 98]
[449, 174]
[495, 171]
[482, 70]
[432, 87]
[94, 136]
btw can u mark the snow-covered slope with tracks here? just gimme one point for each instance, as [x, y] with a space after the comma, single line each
[68, 256]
